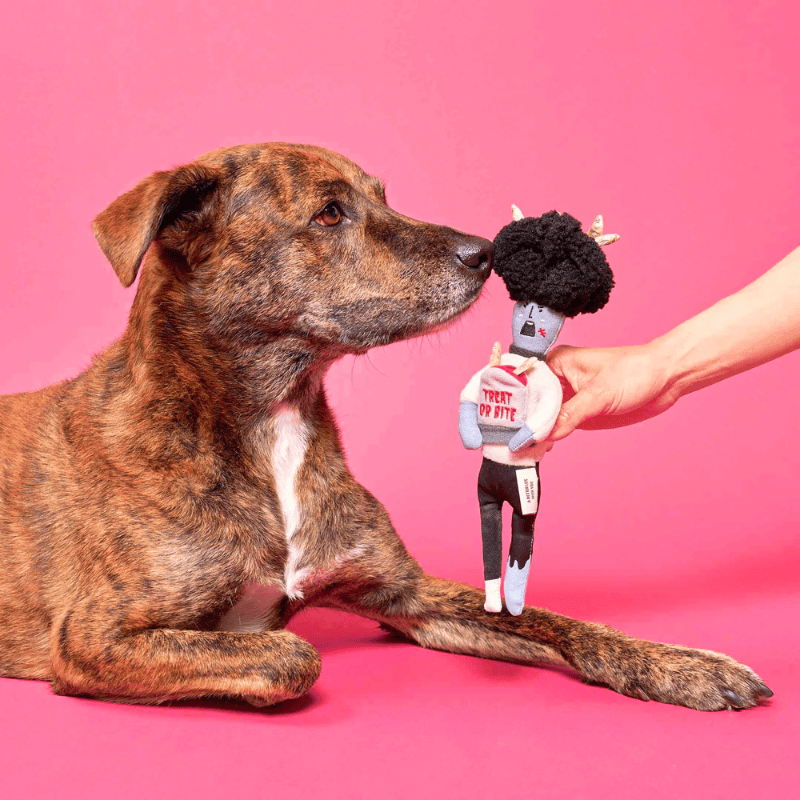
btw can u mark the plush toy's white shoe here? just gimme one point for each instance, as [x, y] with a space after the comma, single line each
[493, 602]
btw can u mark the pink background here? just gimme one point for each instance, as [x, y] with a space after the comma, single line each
[679, 122]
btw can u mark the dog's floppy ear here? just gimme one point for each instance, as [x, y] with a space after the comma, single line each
[127, 228]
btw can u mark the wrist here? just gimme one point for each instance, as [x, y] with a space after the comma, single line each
[671, 360]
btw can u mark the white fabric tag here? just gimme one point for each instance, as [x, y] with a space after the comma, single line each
[528, 484]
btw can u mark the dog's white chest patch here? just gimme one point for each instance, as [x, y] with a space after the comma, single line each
[289, 450]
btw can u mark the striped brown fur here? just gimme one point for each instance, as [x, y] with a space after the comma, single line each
[141, 500]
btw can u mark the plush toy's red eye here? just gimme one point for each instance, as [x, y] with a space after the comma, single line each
[329, 216]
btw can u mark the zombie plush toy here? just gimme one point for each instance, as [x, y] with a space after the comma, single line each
[552, 270]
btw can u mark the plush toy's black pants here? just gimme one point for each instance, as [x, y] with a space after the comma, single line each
[497, 483]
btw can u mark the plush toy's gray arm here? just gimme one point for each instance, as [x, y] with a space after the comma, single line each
[471, 436]
[522, 438]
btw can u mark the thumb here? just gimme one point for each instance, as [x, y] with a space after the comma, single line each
[584, 405]
[559, 358]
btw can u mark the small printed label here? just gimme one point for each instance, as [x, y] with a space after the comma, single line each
[528, 483]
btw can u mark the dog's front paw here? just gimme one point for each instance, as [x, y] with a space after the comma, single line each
[699, 679]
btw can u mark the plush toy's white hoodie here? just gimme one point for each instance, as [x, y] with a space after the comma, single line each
[543, 405]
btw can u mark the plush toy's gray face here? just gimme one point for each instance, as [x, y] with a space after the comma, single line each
[535, 328]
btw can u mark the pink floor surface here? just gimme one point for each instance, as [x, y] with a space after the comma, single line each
[680, 124]
[389, 719]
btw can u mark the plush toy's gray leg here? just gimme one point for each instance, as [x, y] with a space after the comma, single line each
[519, 562]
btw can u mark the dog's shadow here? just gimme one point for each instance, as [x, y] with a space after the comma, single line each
[286, 708]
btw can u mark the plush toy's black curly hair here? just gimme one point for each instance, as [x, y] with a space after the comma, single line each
[549, 260]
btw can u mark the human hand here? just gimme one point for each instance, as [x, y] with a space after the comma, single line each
[608, 387]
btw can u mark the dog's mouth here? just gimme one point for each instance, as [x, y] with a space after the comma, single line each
[381, 322]
[453, 311]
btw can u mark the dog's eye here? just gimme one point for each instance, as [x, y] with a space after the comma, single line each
[329, 216]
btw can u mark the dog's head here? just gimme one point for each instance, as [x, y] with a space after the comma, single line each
[275, 240]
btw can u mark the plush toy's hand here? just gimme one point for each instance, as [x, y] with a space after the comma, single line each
[471, 436]
[522, 438]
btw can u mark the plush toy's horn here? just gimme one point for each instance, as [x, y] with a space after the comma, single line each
[516, 213]
[596, 232]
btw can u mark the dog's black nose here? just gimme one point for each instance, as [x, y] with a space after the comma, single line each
[476, 254]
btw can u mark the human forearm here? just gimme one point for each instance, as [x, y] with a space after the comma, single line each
[608, 387]
[753, 326]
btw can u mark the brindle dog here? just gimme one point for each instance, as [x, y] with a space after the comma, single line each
[165, 513]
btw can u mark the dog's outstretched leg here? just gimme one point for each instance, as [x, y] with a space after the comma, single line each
[161, 664]
[446, 615]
